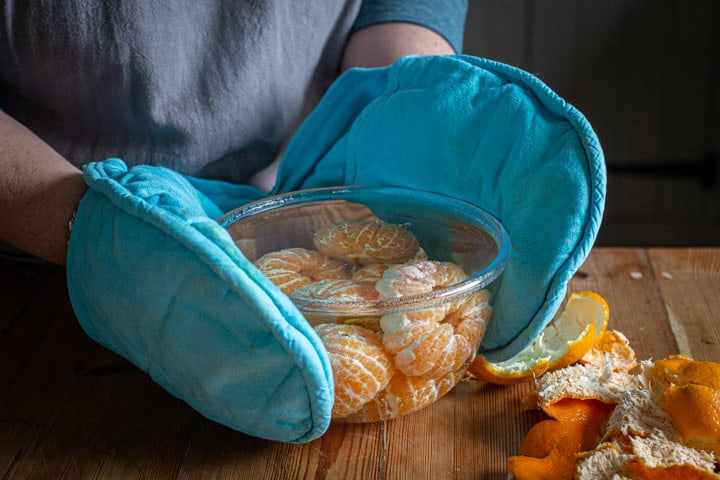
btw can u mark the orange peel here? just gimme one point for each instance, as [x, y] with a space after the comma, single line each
[612, 351]
[638, 470]
[645, 458]
[682, 370]
[691, 397]
[571, 334]
[548, 451]
[661, 423]
[695, 414]
[601, 374]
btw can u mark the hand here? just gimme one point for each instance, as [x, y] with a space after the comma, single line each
[480, 131]
[155, 278]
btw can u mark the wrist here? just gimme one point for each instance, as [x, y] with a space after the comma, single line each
[75, 189]
[40, 223]
[39, 190]
[71, 221]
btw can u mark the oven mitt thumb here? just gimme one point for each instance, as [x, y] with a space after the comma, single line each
[481, 131]
[154, 278]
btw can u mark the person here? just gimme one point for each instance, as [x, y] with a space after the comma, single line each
[211, 89]
[125, 121]
[196, 101]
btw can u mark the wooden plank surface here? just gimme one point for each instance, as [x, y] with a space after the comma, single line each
[689, 282]
[71, 409]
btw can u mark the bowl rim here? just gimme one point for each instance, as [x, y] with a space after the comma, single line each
[332, 307]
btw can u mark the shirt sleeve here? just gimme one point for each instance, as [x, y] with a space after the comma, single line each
[446, 17]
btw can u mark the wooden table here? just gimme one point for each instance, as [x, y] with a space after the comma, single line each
[71, 409]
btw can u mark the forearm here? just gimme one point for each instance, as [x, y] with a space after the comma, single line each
[376, 45]
[39, 190]
[382, 44]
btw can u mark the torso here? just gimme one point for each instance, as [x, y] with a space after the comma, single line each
[209, 88]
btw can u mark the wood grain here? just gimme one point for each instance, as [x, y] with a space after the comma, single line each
[689, 283]
[72, 409]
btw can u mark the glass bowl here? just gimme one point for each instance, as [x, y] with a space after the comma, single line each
[396, 282]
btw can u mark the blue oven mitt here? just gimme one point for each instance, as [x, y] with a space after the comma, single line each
[152, 276]
[481, 131]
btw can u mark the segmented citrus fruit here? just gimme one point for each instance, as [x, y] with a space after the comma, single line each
[391, 365]
[426, 348]
[417, 277]
[424, 345]
[361, 367]
[292, 268]
[340, 289]
[470, 315]
[370, 322]
[578, 327]
[405, 395]
[370, 273]
[367, 242]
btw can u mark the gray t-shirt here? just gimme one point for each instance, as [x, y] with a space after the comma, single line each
[210, 88]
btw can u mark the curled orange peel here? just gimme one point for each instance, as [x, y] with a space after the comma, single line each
[691, 397]
[695, 414]
[612, 351]
[640, 471]
[571, 334]
[579, 441]
[549, 449]
[682, 370]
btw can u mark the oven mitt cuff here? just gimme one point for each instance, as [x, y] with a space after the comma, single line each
[154, 278]
[218, 197]
[481, 131]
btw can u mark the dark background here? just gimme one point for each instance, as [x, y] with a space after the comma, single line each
[646, 74]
